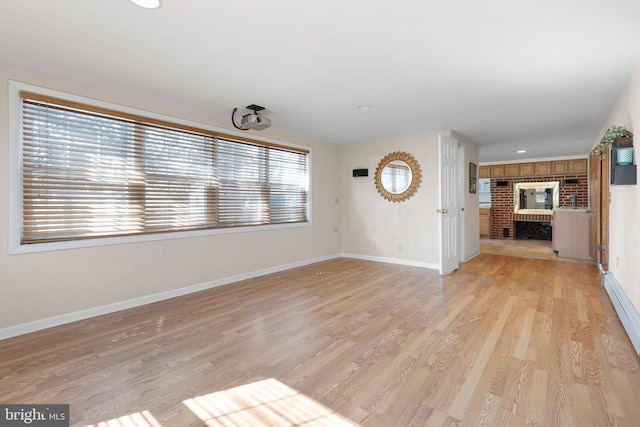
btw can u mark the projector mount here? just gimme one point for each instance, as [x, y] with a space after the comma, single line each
[253, 121]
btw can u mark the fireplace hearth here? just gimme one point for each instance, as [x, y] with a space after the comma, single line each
[533, 230]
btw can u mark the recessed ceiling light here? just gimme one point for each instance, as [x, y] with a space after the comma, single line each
[147, 4]
[521, 151]
[364, 107]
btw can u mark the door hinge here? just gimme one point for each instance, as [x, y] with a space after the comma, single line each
[602, 248]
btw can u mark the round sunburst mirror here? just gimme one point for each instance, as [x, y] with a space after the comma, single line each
[398, 176]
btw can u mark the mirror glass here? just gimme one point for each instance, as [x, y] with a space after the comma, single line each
[398, 176]
[536, 197]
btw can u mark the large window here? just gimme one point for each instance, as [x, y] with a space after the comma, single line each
[89, 172]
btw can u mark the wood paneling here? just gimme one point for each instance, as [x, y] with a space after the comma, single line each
[501, 341]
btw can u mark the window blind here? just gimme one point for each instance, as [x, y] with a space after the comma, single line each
[89, 172]
[260, 185]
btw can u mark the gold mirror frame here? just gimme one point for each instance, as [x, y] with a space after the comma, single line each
[416, 176]
[554, 185]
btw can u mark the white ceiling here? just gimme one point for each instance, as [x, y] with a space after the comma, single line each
[540, 75]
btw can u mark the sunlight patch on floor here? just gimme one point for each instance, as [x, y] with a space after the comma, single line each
[138, 419]
[263, 403]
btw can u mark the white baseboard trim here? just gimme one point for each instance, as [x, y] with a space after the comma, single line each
[50, 322]
[626, 311]
[392, 261]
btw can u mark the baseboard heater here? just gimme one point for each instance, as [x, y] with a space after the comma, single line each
[629, 316]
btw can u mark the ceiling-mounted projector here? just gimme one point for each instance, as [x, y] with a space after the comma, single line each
[253, 121]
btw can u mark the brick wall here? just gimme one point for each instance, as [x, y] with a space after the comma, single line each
[502, 215]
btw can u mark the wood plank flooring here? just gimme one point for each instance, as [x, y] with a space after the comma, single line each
[502, 341]
[541, 249]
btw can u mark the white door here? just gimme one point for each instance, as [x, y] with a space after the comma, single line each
[448, 154]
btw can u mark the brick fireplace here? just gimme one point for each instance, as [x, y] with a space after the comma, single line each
[503, 219]
[533, 230]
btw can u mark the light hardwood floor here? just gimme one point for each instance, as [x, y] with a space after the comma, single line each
[541, 249]
[502, 341]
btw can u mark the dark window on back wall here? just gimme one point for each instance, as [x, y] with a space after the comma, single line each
[89, 172]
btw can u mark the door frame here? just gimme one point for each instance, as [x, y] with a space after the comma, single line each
[599, 199]
[462, 216]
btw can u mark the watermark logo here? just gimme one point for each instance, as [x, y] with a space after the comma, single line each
[34, 415]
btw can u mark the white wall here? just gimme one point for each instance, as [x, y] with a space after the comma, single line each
[349, 217]
[405, 232]
[624, 209]
[42, 285]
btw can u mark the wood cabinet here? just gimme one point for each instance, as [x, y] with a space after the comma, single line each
[527, 169]
[497, 171]
[512, 170]
[578, 166]
[560, 167]
[570, 166]
[571, 233]
[543, 168]
[556, 167]
[485, 222]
